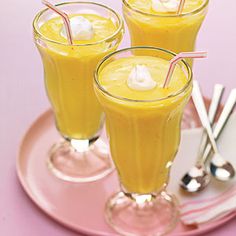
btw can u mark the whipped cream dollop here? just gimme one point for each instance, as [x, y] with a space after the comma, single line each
[165, 5]
[82, 28]
[141, 79]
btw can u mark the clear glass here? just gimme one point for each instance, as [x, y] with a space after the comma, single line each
[173, 32]
[144, 137]
[68, 71]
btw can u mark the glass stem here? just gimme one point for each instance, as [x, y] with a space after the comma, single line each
[80, 145]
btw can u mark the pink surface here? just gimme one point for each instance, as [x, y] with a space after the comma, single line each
[22, 99]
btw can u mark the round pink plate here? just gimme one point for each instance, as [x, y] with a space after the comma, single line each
[77, 206]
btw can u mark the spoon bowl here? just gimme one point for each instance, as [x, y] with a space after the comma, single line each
[221, 169]
[195, 180]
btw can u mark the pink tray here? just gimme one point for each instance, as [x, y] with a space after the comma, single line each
[77, 206]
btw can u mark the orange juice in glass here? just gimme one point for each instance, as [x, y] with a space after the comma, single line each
[143, 122]
[156, 23]
[96, 31]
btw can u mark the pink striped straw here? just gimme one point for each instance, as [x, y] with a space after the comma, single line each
[181, 7]
[177, 58]
[65, 19]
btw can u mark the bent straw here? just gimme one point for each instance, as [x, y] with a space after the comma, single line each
[179, 57]
[65, 19]
[181, 7]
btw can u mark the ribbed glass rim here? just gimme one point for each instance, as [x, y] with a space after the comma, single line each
[39, 14]
[100, 64]
[195, 11]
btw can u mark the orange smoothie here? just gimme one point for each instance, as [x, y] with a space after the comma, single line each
[69, 71]
[152, 23]
[143, 124]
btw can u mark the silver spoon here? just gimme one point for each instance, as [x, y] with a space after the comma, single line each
[190, 181]
[197, 178]
[223, 169]
[226, 169]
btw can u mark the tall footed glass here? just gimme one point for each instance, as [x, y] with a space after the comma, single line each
[143, 125]
[68, 71]
[155, 23]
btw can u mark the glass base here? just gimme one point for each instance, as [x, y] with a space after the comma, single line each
[142, 215]
[80, 161]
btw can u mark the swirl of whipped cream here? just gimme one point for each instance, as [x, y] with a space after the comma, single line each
[141, 79]
[82, 28]
[165, 5]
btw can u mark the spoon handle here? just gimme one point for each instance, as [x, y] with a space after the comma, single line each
[216, 98]
[201, 109]
[224, 116]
